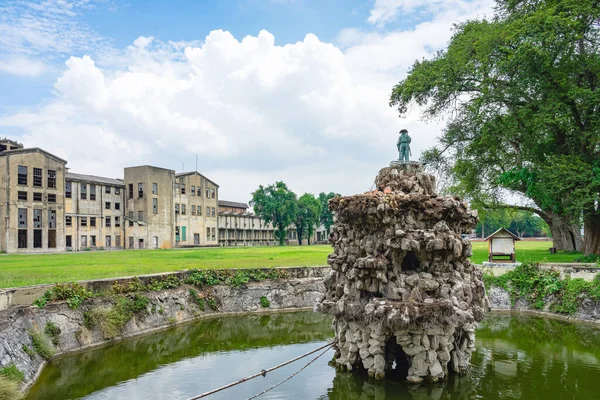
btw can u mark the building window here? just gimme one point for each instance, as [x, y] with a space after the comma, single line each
[183, 209]
[51, 198]
[199, 211]
[131, 191]
[22, 239]
[140, 190]
[130, 218]
[207, 234]
[214, 234]
[193, 190]
[193, 210]
[37, 177]
[37, 238]
[52, 238]
[117, 206]
[83, 221]
[92, 192]
[69, 241]
[107, 189]
[177, 188]
[140, 215]
[37, 196]
[117, 190]
[208, 211]
[68, 190]
[155, 188]
[183, 188]
[196, 238]
[213, 193]
[51, 179]
[207, 193]
[117, 222]
[83, 191]
[37, 218]
[51, 219]
[68, 220]
[117, 240]
[93, 221]
[131, 242]
[93, 240]
[83, 241]
[22, 175]
[108, 241]
[107, 205]
[107, 222]
[176, 208]
[214, 211]
[154, 206]
[23, 196]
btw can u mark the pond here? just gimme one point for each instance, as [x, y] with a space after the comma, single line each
[518, 357]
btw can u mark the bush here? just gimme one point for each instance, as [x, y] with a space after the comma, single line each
[111, 320]
[9, 390]
[264, 302]
[41, 343]
[12, 373]
[168, 282]
[73, 293]
[28, 350]
[134, 285]
[197, 298]
[541, 286]
[52, 331]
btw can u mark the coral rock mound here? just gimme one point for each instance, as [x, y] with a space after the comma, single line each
[402, 291]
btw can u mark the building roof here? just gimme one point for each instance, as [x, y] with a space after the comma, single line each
[503, 230]
[70, 176]
[31, 150]
[11, 142]
[234, 204]
[180, 174]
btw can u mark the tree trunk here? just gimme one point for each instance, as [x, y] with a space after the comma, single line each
[591, 231]
[566, 235]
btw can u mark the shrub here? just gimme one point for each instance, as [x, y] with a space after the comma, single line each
[171, 320]
[168, 282]
[12, 373]
[197, 298]
[28, 350]
[73, 293]
[52, 331]
[41, 343]
[9, 390]
[134, 285]
[264, 302]
[111, 320]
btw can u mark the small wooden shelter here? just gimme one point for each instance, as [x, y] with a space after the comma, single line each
[502, 244]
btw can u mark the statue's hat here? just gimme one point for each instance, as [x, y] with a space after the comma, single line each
[403, 131]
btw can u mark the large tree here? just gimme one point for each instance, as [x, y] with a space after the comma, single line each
[521, 96]
[326, 216]
[307, 216]
[276, 204]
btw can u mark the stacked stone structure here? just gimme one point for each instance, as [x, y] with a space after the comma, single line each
[402, 291]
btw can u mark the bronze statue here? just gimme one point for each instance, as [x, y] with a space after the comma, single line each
[404, 146]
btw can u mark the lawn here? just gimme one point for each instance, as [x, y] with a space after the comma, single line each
[31, 269]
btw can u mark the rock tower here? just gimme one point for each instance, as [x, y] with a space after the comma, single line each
[402, 291]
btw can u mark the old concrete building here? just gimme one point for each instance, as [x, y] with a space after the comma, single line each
[238, 227]
[32, 184]
[94, 212]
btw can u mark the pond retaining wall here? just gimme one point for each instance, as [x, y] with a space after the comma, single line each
[300, 289]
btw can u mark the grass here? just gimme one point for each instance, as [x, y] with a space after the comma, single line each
[31, 269]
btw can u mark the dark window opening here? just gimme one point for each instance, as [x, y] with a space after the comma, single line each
[69, 241]
[93, 240]
[37, 177]
[51, 198]
[83, 191]
[37, 238]
[107, 189]
[92, 192]
[52, 179]
[23, 196]
[117, 222]
[117, 206]
[37, 196]
[22, 238]
[37, 218]
[130, 194]
[140, 190]
[93, 221]
[107, 222]
[51, 219]
[410, 262]
[68, 190]
[52, 238]
[68, 220]
[22, 175]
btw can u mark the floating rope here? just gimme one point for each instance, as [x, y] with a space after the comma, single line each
[291, 376]
[264, 372]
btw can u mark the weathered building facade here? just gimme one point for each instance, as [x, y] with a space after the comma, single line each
[93, 212]
[31, 199]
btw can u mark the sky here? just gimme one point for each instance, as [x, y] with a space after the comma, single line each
[257, 90]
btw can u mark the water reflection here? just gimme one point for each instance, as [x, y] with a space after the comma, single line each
[517, 357]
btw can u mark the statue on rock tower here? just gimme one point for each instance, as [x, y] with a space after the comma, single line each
[404, 146]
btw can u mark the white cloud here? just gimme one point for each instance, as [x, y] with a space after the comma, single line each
[309, 113]
[385, 11]
[21, 66]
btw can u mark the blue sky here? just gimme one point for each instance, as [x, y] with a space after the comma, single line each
[260, 90]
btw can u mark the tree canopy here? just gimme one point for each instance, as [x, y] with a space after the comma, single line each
[307, 217]
[277, 204]
[521, 223]
[326, 216]
[521, 96]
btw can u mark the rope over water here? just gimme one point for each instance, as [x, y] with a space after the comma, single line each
[265, 371]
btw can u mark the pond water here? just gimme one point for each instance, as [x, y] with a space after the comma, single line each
[518, 357]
